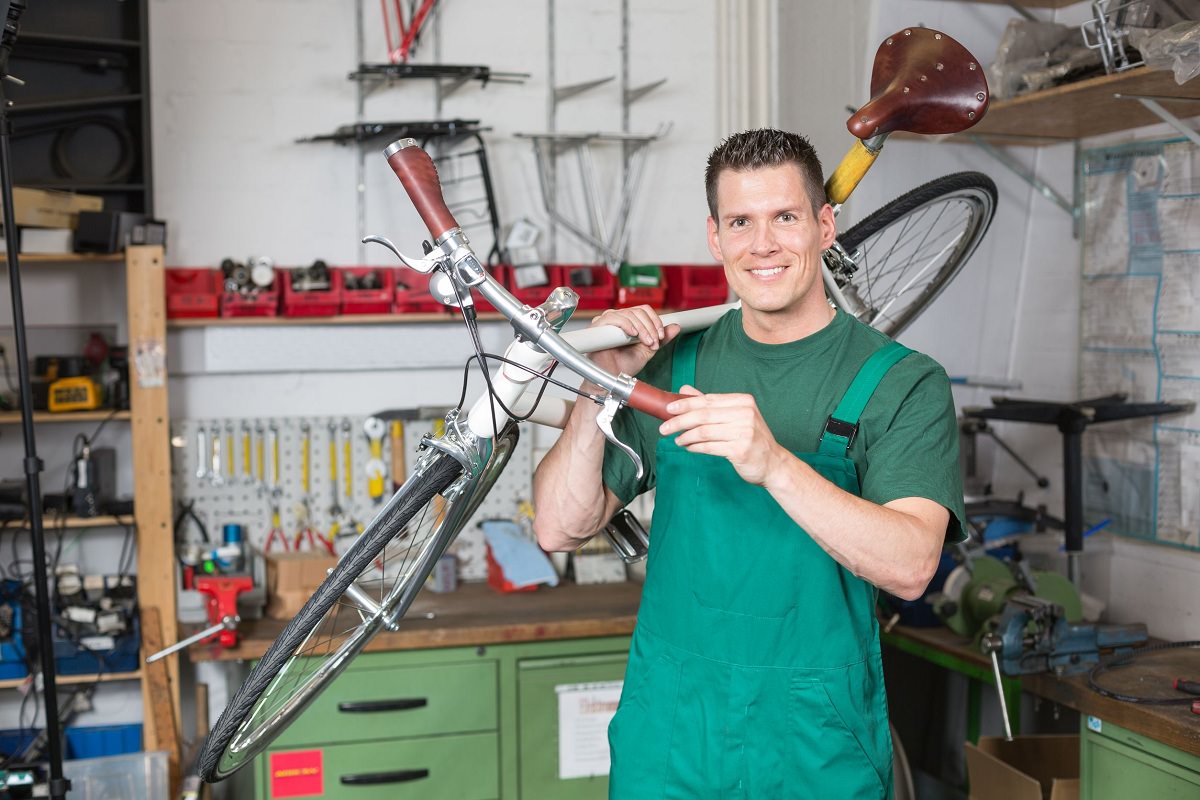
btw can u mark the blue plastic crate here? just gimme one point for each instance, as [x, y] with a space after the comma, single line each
[104, 740]
[12, 651]
[71, 659]
[14, 740]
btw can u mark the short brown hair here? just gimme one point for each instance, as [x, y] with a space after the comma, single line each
[761, 148]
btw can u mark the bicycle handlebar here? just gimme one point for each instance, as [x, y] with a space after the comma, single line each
[417, 172]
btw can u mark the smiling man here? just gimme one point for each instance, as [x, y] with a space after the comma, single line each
[813, 461]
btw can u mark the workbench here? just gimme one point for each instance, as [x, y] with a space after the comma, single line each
[489, 668]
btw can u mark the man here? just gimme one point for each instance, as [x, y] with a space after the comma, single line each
[812, 461]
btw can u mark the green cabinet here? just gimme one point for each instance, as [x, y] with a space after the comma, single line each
[1117, 764]
[539, 681]
[462, 723]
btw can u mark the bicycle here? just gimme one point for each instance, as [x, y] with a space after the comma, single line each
[924, 82]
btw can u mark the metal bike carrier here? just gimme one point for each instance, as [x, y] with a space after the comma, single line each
[610, 240]
[609, 245]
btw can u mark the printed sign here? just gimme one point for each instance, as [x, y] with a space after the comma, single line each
[299, 773]
[584, 711]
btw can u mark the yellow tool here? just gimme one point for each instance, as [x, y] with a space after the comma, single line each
[260, 440]
[231, 465]
[335, 510]
[348, 449]
[79, 393]
[375, 428]
[247, 472]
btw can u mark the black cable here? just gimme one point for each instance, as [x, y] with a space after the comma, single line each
[1126, 660]
[8, 372]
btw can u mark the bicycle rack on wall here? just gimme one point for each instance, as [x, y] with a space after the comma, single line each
[609, 239]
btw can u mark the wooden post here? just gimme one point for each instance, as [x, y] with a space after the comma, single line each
[150, 433]
[157, 683]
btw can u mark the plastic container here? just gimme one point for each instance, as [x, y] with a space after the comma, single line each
[412, 294]
[71, 659]
[627, 296]
[96, 741]
[595, 285]
[496, 579]
[313, 303]
[136, 776]
[12, 651]
[357, 300]
[530, 295]
[14, 740]
[192, 292]
[694, 285]
[261, 303]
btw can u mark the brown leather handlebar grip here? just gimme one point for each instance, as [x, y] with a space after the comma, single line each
[654, 402]
[416, 171]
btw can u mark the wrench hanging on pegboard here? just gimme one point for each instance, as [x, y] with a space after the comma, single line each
[250, 471]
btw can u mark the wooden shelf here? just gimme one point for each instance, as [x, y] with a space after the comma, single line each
[61, 680]
[72, 258]
[14, 417]
[349, 319]
[51, 521]
[1085, 108]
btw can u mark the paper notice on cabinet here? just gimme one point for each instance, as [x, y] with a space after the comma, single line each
[584, 711]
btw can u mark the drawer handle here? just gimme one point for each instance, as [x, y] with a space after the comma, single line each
[373, 706]
[374, 778]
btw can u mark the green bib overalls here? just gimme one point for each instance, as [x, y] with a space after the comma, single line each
[755, 669]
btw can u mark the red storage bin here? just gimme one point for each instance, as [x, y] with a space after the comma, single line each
[192, 292]
[694, 285]
[595, 285]
[259, 303]
[313, 303]
[412, 293]
[531, 295]
[653, 296]
[358, 300]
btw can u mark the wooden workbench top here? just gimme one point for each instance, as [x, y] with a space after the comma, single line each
[477, 615]
[1150, 676]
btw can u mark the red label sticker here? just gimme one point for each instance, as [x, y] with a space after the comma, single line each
[297, 774]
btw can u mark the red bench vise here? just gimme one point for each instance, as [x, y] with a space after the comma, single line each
[223, 591]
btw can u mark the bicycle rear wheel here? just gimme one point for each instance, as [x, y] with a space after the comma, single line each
[906, 253]
[372, 585]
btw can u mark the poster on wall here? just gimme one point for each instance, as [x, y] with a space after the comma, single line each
[1140, 335]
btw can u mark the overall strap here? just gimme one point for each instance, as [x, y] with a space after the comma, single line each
[842, 425]
[683, 363]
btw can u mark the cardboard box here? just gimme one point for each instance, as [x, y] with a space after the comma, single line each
[43, 208]
[1027, 768]
[292, 578]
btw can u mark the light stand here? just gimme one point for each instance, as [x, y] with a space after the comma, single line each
[58, 786]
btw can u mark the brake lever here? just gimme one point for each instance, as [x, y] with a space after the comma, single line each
[422, 265]
[604, 421]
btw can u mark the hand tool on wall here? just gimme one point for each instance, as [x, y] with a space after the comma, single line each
[375, 469]
[306, 535]
[352, 525]
[260, 462]
[230, 463]
[215, 477]
[399, 467]
[247, 450]
[202, 454]
[275, 492]
[335, 508]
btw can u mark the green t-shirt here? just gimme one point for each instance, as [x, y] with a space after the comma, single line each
[907, 442]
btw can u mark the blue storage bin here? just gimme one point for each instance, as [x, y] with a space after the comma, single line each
[71, 659]
[104, 740]
[12, 651]
[13, 740]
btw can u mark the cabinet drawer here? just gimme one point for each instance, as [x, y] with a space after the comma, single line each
[461, 767]
[366, 704]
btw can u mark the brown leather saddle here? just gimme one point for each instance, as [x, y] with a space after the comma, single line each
[922, 82]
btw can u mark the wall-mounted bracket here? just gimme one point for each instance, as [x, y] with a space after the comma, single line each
[1152, 104]
[564, 92]
[1072, 206]
[638, 92]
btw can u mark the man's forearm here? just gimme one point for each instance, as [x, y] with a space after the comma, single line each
[897, 550]
[568, 488]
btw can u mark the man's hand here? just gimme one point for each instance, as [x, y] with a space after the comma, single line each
[641, 322]
[729, 426]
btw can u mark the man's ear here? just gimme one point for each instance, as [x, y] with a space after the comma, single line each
[714, 242]
[828, 225]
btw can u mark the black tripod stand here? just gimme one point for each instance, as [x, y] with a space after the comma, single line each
[58, 786]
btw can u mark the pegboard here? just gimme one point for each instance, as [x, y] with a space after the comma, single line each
[246, 499]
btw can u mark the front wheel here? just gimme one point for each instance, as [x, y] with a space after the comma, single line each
[371, 587]
[903, 255]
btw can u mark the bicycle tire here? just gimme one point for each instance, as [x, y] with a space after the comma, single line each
[233, 742]
[891, 309]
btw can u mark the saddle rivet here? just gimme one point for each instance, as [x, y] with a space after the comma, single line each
[908, 33]
[889, 41]
[970, 115]
[940, 66]
[906, 90]
[979, 97]
[923, 79]
[863, 120]
[971, 66]
[937, 36]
